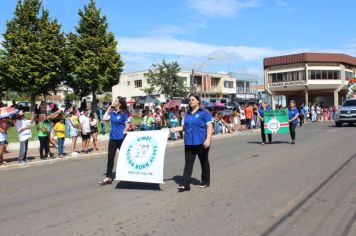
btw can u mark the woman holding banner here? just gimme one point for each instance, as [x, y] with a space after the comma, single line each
[293, 119]
[120, 123]
[197, 139]
[260, 116]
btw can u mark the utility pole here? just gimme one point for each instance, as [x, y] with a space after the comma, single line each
[192, 75]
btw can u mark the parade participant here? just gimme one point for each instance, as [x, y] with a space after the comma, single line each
[261, 116]
[119, 119]
[293, 119]
[197, 139]
[94, 124]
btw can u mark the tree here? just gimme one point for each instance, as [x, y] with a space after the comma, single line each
[96, 64]
[34, 51]
[163, 79]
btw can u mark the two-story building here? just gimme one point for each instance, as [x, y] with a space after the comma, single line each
[211, 87]
[309, 77]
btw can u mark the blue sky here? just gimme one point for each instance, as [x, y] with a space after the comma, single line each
[237, 34]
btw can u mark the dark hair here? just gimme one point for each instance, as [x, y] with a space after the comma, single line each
[91, 115]
[196, 96]
[123, 105]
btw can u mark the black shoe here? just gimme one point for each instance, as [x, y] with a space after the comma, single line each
[293, 142]
[183, 189]
[204, 185]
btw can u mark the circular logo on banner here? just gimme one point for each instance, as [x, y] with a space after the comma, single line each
[273, 125]
[142, 152]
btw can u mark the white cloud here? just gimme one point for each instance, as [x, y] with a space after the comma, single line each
[284, 4]
[174, 46]
[222, 8]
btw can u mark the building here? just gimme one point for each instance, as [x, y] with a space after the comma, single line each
[211, 87]
[309, 77]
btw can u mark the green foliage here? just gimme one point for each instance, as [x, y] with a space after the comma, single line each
[93, 58]
[72, 97]
[34, 50]
[163, 79]
[107, 97]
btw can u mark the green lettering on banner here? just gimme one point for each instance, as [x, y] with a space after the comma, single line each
[276, 121]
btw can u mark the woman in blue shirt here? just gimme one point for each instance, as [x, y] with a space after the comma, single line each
[120, 123]
[293, 119]
[197, 138]
[261, 116]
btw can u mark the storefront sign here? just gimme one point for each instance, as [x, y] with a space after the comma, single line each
[284, 84]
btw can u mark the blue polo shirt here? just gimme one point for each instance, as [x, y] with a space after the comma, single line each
[195, 127]
[262, 111]
[118, 121]
[292, 113]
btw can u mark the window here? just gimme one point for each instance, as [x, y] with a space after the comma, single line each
[324, 74]
[348, 75]
[138, 83]
[286, 76]
[128, 83]
[228, 84]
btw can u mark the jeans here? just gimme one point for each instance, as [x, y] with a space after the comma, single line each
[263, 135]
[103, 126]
[44, 146]
[23, 150]
[191, 151]
[113, 146]
[292, 130]
[157, 126]
[60, 146]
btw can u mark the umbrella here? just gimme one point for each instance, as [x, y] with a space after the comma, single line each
[8, 112]
[219, 104]
[147, 100]
[172, 104]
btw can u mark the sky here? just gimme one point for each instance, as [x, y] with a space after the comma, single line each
[214, 35]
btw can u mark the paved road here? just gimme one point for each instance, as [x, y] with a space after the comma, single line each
[278, 189]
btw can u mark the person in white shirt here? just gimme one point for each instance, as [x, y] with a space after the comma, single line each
[23, 128]
[86, 132]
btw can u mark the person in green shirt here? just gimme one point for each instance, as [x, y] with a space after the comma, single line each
[44, 131]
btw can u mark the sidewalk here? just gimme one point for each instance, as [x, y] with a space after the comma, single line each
[33, 150]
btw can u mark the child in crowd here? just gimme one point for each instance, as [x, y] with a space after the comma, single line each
[173, 122]
[52, 137]
[132, 126]
[3, 135]
[60, 129]
[235, 120]
[217, 124]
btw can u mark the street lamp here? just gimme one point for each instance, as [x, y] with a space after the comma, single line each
[199, 68]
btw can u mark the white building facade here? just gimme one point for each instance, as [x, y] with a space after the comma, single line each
[211, 87]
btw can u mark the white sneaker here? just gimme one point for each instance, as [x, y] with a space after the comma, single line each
[74, 154]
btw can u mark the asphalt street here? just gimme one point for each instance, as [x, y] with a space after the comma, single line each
[277, 189]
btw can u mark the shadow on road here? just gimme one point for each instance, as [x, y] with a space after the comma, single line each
[274, 142]
[178, 180]
[138, 186]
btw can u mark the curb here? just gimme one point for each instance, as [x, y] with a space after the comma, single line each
[99, 154]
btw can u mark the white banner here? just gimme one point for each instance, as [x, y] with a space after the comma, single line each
[141, 157]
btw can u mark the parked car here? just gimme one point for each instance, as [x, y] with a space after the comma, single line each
[347, 113]
[24, 106]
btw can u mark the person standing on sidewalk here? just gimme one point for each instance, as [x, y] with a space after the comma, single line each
[249, 116]
[94, 124]
[118, 116]
[23, 127]
[73, 125]
[43, 132]
[85, 127]
[261, 117]
[198, 129]
[60, 129]
[293, 114]
[3, 128]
